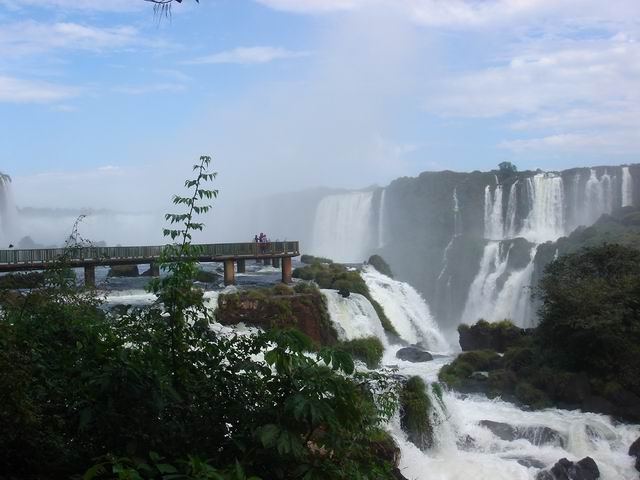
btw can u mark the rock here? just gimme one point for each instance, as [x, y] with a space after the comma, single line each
[413, 354]
[466, 443]
[538, 435]
[123, 271]
[480, 376]
[207, 277]
[501, 430]
[634, 451]
[528, 462]
[585, 469]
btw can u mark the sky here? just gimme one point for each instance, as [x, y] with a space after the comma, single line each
[104, 104]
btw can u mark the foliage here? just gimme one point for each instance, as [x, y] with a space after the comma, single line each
[507, 169]
[415, 406]
[368, 349]
[337, 277]
[590, 313]
[377, 262]
[310, 259]
[150, 391]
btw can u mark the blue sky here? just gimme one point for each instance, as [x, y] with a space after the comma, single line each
[104, 104]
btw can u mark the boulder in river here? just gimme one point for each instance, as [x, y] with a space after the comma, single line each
[585, 469]
[537, 435]
[634, 451]
[413, 354]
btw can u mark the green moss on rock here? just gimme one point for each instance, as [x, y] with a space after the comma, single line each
[368, 349]
[415, 406]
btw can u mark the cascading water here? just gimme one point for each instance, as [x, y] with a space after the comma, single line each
[462, 447]
[546, 216]
[493, 220]
[406, 309]
[457, 231]
[7, 210]
[512, 208]
[598, 196]
[342, 227]
[627, 187]
[381, 219]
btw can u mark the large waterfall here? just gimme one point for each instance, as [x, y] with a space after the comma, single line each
[342, 229]
[627, 187]
[7, 210]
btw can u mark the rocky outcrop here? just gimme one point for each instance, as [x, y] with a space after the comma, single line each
[585, 469]
[634, 451]
[305, 311]
[118, 271]
[490, 336]
[413, 354]
[539, 435]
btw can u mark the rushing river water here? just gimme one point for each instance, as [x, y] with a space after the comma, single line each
[463, 449]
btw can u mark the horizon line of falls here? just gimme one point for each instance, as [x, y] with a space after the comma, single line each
[537, 209]
[342, 227]
[462, 445]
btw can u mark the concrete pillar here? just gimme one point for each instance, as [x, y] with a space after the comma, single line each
[154, 269]
[275, 262]
[242, 267]
[286, 270]
[229, 273]
[89, 276]
[266, 261]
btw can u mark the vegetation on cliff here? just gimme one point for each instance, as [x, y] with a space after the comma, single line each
[415, 406]
[338, 277]
[152, 392]
[585, 352]
[379, 263]
[368, 349]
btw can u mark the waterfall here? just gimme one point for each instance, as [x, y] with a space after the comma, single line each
[514, 301]
[493, 222]
[512, 207]
[546, 215]
[598, 196]
[354, 316]
[8, 211]
[457, 219]
[627, 187]
[406, 309]
[342, 227]
[381, 219]
[484, 288]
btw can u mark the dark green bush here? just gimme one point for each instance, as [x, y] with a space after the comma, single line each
[368, 349]
[415, 406]
[377, 262]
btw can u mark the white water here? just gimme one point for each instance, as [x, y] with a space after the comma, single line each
[459, 417]
[627, 187]
[381, 219]
[354, 316]
[513, 301]
[512, 208]
[342, 227]
[493, 221]
[8, 213]
[546, 218]
[598, 196]
[406, 309]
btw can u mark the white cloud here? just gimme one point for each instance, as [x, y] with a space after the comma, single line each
[248, 55]
[30, 37]
[621, 142]
[14, 90]
[86, 5]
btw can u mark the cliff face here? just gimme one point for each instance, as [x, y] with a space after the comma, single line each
[466, 241]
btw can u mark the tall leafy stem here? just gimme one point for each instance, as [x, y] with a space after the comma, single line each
[182, 302]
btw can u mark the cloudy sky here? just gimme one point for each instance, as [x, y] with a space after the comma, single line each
[104, 104]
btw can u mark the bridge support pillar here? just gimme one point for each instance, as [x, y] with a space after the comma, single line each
[286, 270]
[275, 262]
[229, 273]
[266, 261]
[89, 276]
[242, 266]
[154, 270]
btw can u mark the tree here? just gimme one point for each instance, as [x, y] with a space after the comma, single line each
[507, 169]
[164, 6]
[590, 313]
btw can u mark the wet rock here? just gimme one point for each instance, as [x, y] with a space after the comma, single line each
[413, 354]
[123, 271]
[538, 435]
[634, 451]
[466, 443]
[585, 469]
[528, 462]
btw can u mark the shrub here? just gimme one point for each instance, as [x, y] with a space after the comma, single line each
[368, 349]
[377, 262]
[310, 259]
[415, 406]
[282, 289]
[531, 396]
